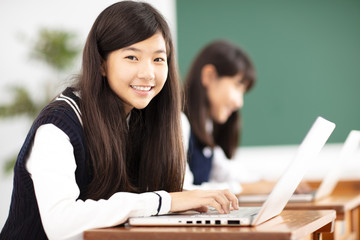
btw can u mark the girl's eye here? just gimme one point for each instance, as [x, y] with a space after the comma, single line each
[159, 60]
[131, 58]
[241, 82]
[241, 85]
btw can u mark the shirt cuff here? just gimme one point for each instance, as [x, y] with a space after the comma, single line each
[165, 202]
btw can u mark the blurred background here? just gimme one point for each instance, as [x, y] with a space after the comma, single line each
[307, 56]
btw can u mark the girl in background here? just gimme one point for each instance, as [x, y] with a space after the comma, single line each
[109, 147]
[214, 91]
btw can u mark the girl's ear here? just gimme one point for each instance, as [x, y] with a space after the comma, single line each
[208, 74]
[103, 68]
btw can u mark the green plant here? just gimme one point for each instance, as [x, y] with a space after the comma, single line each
[58, 50]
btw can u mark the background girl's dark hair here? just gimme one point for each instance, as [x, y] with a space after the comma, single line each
[228, 60]
[147, 155]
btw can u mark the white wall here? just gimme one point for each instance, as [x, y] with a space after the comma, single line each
[19, 18]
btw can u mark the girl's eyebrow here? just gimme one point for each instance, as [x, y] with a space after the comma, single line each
[138, 50]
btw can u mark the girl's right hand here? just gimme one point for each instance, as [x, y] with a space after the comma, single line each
[199, 200]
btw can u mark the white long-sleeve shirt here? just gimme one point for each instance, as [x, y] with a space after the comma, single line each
[52, 166]
[222, 174]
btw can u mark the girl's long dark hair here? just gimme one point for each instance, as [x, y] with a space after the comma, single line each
[228, 60]
[147, 154]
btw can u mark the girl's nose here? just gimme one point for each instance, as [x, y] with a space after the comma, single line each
[238, 100]
[146, 71]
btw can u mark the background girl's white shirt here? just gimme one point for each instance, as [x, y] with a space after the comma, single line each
[52, 166]
[222, 175]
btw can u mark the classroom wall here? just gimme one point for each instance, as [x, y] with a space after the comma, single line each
[307, 56]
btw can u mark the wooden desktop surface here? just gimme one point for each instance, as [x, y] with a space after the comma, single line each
[290, 224]
[345, 200]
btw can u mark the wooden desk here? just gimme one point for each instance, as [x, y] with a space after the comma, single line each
[290, 224]
[345, 199]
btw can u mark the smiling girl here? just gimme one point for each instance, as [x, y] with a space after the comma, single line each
[109, 147]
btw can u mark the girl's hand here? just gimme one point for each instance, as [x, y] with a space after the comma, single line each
[199, 200]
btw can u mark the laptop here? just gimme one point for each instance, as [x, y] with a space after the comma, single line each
[328, 183]
[313, 142]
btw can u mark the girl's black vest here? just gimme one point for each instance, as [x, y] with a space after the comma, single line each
[24, 220]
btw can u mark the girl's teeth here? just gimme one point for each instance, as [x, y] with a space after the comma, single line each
[141, 88]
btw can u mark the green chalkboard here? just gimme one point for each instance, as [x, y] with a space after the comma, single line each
[307, 56]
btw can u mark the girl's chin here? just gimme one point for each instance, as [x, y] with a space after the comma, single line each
[221, 119]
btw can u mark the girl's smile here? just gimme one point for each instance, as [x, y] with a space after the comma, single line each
[142, 88]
